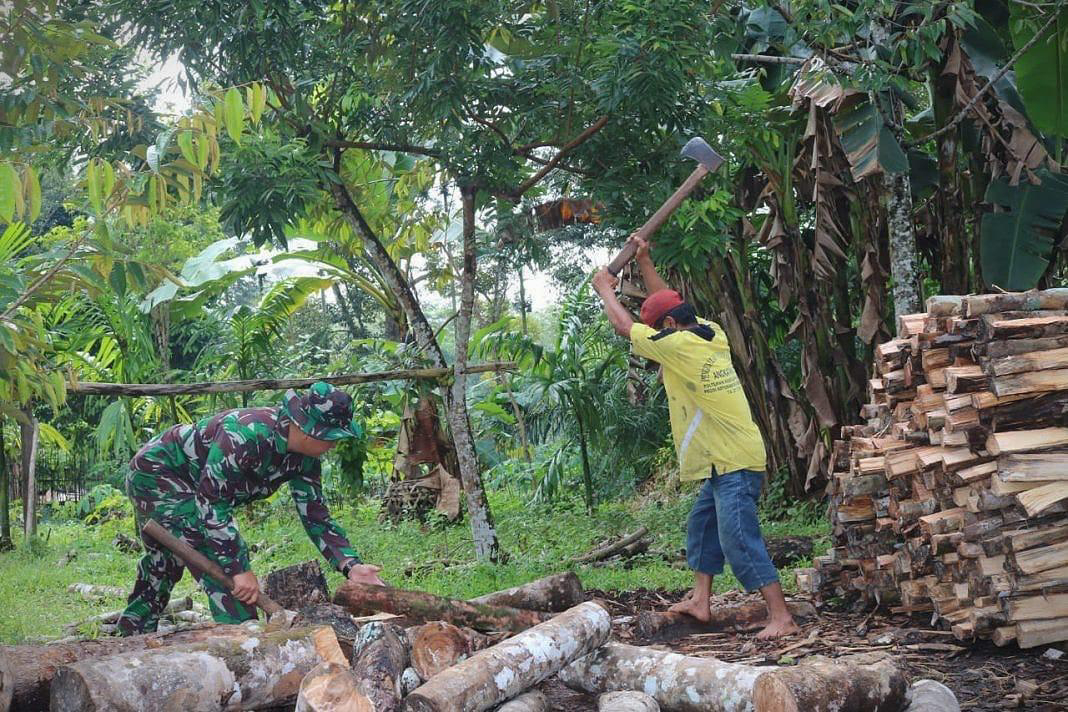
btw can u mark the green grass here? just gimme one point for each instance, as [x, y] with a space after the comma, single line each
[34, 602]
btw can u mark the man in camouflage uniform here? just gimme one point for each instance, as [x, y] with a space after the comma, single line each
[191, 477]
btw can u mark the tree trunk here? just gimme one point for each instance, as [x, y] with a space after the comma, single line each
[663, 626]
[241, 672]
[298, 586]
[862, 683]
[416, 606]
[584, 451]
[332, 687]
[903, 263]
[520, 420]
[533, 701]
[677, 682]
[5, 495]
[522, 300]
[503, 671]
[482, 529]
[30, 436]
[380, 663]
[931, 696]
[557, 592]
[626, 702]
[948, 208]
[346, 313]
[438, 645]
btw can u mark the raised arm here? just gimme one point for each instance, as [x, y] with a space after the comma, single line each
[604, 283]
[653, 281]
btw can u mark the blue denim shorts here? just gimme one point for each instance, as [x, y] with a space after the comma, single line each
[723, 526]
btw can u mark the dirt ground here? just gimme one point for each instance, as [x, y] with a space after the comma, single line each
[983, 676]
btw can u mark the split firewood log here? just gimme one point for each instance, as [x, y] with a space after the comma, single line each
[380, 658]
[438, 645]
[626, 701]
[678, 683]
[256, 670]
[416, 606]
[554, 593]
[332, 687]
[334, 616]
[662, 626]
[860, 683]
[514, 665]
[931, 696]
[34, 666]
[532, 701]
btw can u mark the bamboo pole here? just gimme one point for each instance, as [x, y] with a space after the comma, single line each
[270, 384]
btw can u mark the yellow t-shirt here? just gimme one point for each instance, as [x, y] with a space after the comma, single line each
[710, 417]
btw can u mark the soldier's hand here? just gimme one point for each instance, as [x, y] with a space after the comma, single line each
[366, 573]
[246, 587]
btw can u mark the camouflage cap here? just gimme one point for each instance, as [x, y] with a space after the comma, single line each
[324, 412]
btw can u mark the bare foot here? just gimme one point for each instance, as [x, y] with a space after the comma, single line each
[777, 628]
[692, 607]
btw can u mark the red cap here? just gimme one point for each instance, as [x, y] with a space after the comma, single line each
[657, 304]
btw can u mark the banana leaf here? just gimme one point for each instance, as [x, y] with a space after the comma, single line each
[869, 145]
[1015, 244]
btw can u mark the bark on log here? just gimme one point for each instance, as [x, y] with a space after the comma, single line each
[605, 550]
[678, 683]
[627, 702]
[298, 586]
[242, 672]
[410, 680]
[34, 666]
[88, 590]
[362, 599]
[334, 616]
[331, 687]
[269, 384]
[662, 626]
[857, 684]
[1033, 300]
[503, 671]
[7, 684]
[931, 696]
[438, 645]
[533, 701]
[380, 663]
[554, 593]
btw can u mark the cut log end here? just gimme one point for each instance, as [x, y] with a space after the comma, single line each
[437, 646]
[331, 687]
[627, 702]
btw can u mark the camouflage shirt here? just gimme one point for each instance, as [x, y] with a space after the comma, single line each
[236, 457]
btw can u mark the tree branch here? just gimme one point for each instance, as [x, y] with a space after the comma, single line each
[990, 84]
[767, 59]
[560, 155]
[376, 146]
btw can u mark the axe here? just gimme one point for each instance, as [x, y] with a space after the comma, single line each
[707, 162]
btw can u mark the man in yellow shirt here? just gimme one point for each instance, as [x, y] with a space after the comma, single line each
[715, 437]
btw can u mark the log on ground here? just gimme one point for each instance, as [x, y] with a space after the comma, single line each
[679, 683]
[417, 606]
[331, 687]
[533, 701]
[554, 593]
[514, 665]
[380, 663]
[256, 670]
[662, 626]
[7, 684]
[862, 683]
[438, 645]
[604, 551]
[931, 696]
[34, 666]
[334, 616]
[298, 586]
[626, 702]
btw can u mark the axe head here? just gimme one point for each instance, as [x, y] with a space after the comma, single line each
[699, 150]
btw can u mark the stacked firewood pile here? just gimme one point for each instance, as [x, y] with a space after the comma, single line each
[953, 498]
[384, 649]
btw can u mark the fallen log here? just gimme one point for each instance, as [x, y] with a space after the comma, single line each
[931, 696]
[862, 683]
[380, 659]
[678, 683]
[606, 550]
[331, 687]
[7, 684]
[298, 586]
[514, 665]
[660, 626]
[553, 594]
[256, 670]
[626, 702]
[34, 666]
[438, 645]
[89, 590]
[419, 607]
[533, 701]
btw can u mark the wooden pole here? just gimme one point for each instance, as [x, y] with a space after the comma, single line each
[271, 384]
[31, 432]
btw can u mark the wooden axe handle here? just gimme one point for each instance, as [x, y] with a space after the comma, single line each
[659, 218]
[199, 563]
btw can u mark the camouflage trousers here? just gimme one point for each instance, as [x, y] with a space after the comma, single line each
[170, 502]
